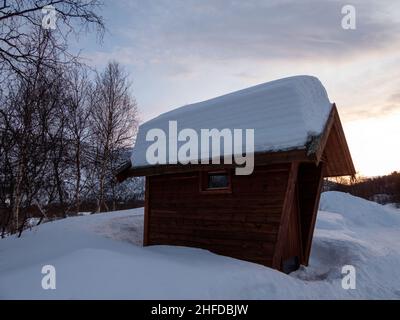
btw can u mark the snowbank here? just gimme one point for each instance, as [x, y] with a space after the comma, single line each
[101, 256]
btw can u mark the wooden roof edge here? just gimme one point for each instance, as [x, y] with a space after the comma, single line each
[312, 153]
[121, 173]
[349, 159]
[261, 158]
[316, 150]
[316, 146]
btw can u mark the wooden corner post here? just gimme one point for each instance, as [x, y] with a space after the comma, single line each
[146, 212]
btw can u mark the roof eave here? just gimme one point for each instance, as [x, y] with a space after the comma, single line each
[318, 149]
[313, 152]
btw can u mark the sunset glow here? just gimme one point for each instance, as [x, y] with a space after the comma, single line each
[374, 144]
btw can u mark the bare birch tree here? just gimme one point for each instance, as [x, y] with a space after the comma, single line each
[113, 123]
[80, 93]
[20, 18]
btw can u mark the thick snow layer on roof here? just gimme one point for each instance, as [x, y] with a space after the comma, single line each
[284, 114]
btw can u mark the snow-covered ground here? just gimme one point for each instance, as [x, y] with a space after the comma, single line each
[101, 256]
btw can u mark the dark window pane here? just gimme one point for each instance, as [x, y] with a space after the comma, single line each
[218, 181]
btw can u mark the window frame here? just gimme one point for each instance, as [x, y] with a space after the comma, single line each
[204, 179]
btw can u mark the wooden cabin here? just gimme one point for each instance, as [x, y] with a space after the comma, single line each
[267, 217]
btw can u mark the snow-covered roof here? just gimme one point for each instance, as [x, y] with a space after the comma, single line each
[285, 114]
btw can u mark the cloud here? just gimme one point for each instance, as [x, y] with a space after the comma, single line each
[183, 36]
[224, 45]
[260, 30]
[182, 51]
[385, 108]
[372, 112]
[395, 97]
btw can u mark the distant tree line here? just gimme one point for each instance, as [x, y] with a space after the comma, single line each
[385, 189]
[64, 128]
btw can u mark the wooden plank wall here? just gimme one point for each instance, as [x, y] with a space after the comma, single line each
[292, 240]
[242, 224]
[283, 243]
[310, 182]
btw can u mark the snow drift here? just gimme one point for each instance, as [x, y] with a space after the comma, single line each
[101, 257]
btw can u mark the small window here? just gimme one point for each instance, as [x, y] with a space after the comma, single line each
[215, 182]
[218, 181]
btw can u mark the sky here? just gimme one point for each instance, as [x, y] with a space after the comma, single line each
[184, 51]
